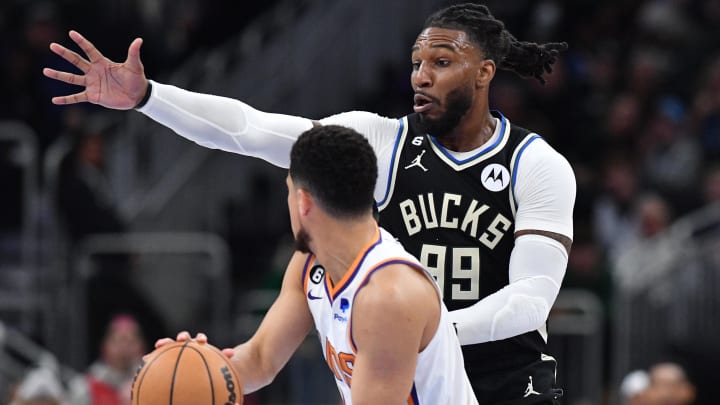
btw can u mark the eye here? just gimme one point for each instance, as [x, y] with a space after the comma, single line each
[416, 65]
[443, 62]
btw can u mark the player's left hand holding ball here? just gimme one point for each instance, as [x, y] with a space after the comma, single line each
[187, 371]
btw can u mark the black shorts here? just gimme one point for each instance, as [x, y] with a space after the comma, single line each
[532, 383]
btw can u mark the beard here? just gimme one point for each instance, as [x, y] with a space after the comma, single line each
[302, 241]
[458, 103]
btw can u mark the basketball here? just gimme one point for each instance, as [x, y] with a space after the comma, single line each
[186, 373]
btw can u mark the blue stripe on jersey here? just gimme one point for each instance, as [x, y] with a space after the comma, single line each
[449, 155]
[392, 163]
[305, 270]
[414, 396]
[517, 160]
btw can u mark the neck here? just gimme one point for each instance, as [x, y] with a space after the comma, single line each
[473, 130]
[340, 243]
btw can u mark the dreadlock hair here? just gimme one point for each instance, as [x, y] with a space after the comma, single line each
[527, 59]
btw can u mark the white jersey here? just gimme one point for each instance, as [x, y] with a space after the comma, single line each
[439, 374]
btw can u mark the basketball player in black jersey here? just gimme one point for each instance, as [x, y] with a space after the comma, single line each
[485, 205]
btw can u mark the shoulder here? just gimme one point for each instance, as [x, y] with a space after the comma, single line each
[395, 287]
[362, 120]
[536, 158]
[358, 116]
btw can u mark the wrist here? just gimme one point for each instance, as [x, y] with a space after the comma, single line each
[146, 97]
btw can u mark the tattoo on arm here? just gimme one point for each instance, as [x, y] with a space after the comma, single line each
[566, 242]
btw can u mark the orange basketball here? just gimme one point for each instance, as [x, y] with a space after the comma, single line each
[186, 373]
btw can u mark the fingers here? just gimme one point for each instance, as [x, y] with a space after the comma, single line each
[229, 353]
[70, 56]
[90, 50]
[162, 342]
[71, 99]
[66, 77]
[183, 336]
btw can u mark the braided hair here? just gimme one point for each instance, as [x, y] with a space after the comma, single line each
[527, 59]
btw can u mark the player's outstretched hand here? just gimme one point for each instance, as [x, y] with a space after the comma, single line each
[119, 86]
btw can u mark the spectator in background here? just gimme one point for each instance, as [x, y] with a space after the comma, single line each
[671, 159]
[706, 111]
[634, 388]
[711, 185]
[645, 251]
[109, 378]
[623, 121]
[669, 385]
[41, 386]
[88, 207]
[613, 220]
[85, 200]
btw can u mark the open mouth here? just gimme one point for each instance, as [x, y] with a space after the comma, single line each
[422, 103]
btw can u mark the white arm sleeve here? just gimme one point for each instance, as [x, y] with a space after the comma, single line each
[223, 123]
[524, 304]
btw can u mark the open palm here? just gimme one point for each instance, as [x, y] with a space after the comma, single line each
[114, 85]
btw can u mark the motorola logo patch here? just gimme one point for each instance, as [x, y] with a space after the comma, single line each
[495, 177]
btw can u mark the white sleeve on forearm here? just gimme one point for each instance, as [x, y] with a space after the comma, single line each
[537, 267]
[223, 123]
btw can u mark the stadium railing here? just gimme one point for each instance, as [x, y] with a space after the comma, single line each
[20, 292]
[185, 275]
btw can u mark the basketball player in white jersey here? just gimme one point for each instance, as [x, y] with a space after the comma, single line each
[485, 204]
[378, 313]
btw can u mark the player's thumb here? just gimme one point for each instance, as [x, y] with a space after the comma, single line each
[133, 56]
[229, 353]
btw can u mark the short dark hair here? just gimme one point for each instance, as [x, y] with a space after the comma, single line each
[527, 59]
[338, 167]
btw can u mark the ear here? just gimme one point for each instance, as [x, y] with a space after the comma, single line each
[485, 73]
[305, 201]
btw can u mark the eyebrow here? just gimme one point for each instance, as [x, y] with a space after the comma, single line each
[438, 45]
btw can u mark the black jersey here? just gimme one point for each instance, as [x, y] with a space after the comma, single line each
[457, 217]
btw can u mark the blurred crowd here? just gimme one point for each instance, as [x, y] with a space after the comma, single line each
[662, 384]
[634, 105]
[172, 31]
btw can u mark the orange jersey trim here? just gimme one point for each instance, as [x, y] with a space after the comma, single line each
[334, 291]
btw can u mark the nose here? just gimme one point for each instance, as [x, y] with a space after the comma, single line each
[421, 77]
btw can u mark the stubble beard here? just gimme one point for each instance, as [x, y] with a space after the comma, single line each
[458, 104]
[302, 241]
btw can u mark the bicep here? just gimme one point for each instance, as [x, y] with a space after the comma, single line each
[544, 192]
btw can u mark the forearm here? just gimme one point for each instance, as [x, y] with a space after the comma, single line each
[254, 372]
[537, 266]
[223, 123]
